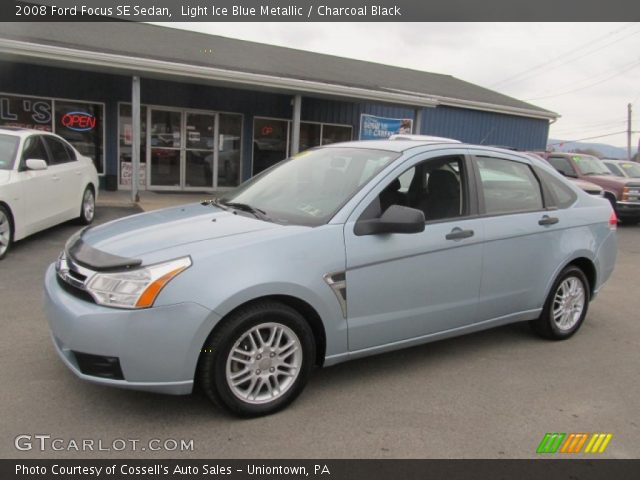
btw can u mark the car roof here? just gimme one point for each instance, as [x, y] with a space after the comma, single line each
[22, 132]
[401, 144]
[617, 160]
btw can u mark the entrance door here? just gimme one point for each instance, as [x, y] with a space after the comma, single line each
[164, 156]
[199, 151]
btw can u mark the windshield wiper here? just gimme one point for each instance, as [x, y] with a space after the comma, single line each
[245, 207]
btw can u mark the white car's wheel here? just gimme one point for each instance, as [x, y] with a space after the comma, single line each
[6, 231]
[88, 207]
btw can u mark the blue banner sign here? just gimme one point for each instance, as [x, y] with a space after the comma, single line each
[376, 128]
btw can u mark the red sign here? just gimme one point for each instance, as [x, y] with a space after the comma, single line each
[79, 121]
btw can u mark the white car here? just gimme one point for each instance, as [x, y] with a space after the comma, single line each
[43, 181]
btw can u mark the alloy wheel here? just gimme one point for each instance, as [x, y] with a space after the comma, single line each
[568, 303]
[264, 363]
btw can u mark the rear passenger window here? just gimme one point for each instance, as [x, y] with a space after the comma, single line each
[508, 186]
[563, 194]
[60, 153]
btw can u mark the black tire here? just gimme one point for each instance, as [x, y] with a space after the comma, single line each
[6, 231]
[214, 359]
[630, 220]
[87, 214]
[546, 326]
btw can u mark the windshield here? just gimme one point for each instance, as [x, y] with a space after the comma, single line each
[589, 165]
[310, 187]
[8, 145]
[630, 169]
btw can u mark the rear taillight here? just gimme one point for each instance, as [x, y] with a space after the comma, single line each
[613, 221]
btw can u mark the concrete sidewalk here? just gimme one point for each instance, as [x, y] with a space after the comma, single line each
[149, 200]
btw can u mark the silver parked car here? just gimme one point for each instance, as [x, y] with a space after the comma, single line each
[341, 252]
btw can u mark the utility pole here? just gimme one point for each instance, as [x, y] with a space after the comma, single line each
[629, 131]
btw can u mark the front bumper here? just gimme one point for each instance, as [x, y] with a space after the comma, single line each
[628, 209]
[157, 348]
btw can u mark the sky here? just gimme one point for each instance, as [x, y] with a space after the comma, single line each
[586, 72]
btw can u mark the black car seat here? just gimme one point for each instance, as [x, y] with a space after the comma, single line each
[391, 196]
[443, 195]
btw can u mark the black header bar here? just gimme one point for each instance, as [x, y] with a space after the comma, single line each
[318, 10]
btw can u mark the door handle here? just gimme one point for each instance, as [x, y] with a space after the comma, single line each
[458, 234]
[547, 220]
[55, 179]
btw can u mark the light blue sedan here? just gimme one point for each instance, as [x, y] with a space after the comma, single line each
[340, 252]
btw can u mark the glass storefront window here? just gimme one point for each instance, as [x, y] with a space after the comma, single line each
[309, 135]
[81, 125]
[26, 112]
[270, 142]
[229, 141]
[125, 139]
[335, 133]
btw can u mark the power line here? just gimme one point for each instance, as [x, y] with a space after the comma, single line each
[582, 129]
[568, 53]
[588, 138]
[629, 67]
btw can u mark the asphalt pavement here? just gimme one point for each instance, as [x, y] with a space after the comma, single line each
[492, 394]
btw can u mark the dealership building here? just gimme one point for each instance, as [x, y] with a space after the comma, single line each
[214, 111]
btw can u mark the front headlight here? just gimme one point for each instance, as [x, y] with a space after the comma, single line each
[136, 288]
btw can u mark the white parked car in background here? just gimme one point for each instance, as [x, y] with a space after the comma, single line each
[43, 181]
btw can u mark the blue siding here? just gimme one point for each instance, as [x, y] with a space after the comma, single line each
[467, 125]
[486, 128]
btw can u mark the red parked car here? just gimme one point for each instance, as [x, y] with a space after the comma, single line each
[623, 193]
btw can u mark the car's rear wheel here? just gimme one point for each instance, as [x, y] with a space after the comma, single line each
[88, 207]
[565, 307]
[6, 231]
[258, 361]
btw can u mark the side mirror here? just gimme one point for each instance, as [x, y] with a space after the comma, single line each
[567, 174]
[395, 219]
[36, 164]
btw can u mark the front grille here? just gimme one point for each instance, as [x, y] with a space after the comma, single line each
[99, 366]
[75, 291]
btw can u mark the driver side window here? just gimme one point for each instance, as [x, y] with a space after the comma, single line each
[436, 186]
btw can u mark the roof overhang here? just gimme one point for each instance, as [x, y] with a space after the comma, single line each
[123, 64]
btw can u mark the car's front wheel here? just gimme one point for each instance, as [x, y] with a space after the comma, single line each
[6, 231]
[258, 361]
[88, 207]
[565, 307]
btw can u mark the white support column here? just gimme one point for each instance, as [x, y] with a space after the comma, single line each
[417, 121]
[295, 134]
[135, 147]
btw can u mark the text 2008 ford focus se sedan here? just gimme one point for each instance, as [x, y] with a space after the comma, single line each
[340, 252]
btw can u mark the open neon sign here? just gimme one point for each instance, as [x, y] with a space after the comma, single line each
[79, 121]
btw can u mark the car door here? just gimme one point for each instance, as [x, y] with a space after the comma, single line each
[522, 233]
[37, 187]
[403, 286]
[67, 177]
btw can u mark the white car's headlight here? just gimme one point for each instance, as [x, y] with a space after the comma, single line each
[136, 288]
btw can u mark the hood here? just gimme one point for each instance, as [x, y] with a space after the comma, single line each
[160, 229]
[584, 185]
[5, 175]
[610, 180]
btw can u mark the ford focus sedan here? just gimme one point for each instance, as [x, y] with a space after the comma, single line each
[43, 181]
[340, 252]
